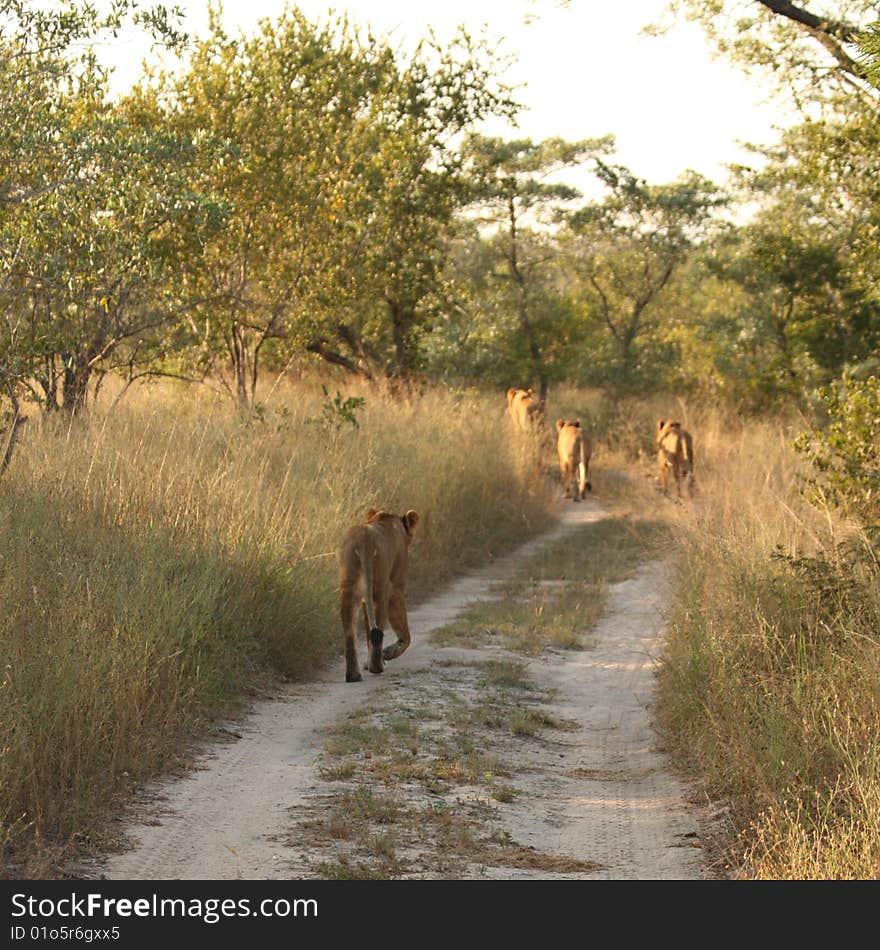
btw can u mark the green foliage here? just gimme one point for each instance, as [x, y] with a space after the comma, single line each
[343, 181]
[93, 207]
[510, 192]
[845, 453]
[338, 411]
[627, 249]
[283, 193]
[309, 192]
[870, 47]
[789, 300]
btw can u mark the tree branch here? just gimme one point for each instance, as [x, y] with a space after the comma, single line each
[606, 309]
[320, 348]
[832, 34]
[17, 421]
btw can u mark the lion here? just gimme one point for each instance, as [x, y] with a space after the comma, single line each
[372, 573]
[574, 448]
[512, 393]
[524, 408]
[675, 450]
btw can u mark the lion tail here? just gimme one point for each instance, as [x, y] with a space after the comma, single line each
[687, 451]
[583, 471]
[364, 553]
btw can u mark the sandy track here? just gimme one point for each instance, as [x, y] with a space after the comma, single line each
[605, 795]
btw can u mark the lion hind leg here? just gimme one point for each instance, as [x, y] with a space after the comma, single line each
[566, 473]
[680, 472]
[581, 483]
[663, 476]
[375, 663]
[398, 619]
[375, 618]
[584, 468]
[586, 484]
[375, 638]
[349, 608]
[576, 489]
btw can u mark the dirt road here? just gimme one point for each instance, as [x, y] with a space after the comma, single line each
[602, 795]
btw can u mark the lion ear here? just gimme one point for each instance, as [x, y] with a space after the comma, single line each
[371, 512]
[559, 424]
[660, 423]
[411, 519]
[576, 423]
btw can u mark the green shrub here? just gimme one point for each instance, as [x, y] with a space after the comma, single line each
[845, 453]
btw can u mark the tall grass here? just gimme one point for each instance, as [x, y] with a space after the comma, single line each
[156, 561]
[770, 686]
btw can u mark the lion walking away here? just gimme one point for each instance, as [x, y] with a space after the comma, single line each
[574, 448]
[675, 452]
[525, 410]
[373, 564]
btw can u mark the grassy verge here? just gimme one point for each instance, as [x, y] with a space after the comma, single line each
[159, 562]
[770, 687]
[560, 595]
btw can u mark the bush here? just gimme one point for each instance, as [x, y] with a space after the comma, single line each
[845, 453]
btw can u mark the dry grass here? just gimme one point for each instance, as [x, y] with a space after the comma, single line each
[156, 561]
[533, 860]
[770, 687]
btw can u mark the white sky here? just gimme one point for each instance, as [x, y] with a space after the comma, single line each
[586, 72]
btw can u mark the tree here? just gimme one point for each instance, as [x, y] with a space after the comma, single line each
[58, 157]
[807, 258]
[845, 452]
[628, 247]
[413, 181]
[105, 295]
[869, 44]
[790, 280]
[511, 187]
[281, 110]
[479, 336]
[341, 179]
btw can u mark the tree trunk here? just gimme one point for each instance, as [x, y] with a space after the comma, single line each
[783, 344]
[400, 374]
[518, 277]
[243, 367]
[48, 382]
[627, 359]
[17, 420]
[77, 375]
